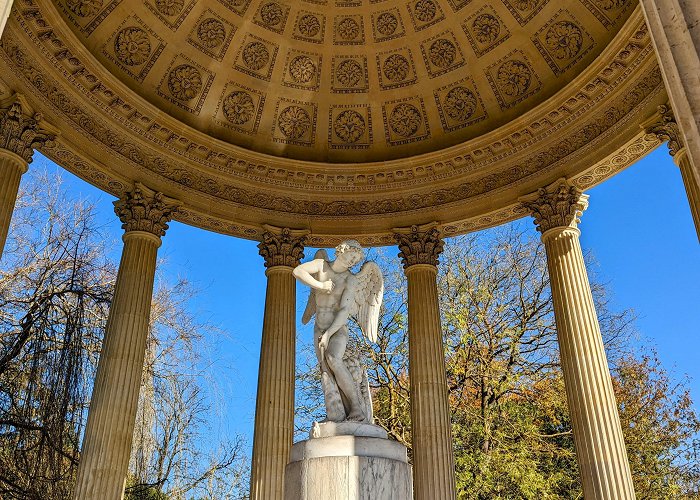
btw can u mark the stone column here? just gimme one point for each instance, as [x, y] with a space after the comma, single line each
[282, 250]
[674, 26]
[5, 8]
[433, 459]
[109, 432]
[600, 448]
[21, 130]
[665, 127]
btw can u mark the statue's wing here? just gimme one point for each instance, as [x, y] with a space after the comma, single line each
[310, 309]
[368, 292]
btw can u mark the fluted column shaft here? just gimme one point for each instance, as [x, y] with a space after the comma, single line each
[110, 426]
[21, 130]
[109, 431]
[433, 456]
[692, 187]
[5, 8]
[600, 447]
[665, 127]
[12, 167]
[274, 406]
[433, 461]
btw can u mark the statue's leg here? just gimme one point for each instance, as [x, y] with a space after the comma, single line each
[319, 356]
[335, 409]
[343, 377]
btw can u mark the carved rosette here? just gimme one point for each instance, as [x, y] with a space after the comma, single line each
[22, 130]
[666, 129]
[145, 210]
[559, 205]
[419, 246]
[282, 247]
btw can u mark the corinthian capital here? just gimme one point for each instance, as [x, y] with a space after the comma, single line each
[666, 129]
[282, 246]
[145, 210]
[558, 205]
[419, 245]
[22, 130]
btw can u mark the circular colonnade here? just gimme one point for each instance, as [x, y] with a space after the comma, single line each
[386, 121]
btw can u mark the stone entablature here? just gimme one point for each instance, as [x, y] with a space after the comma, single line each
[108, 140]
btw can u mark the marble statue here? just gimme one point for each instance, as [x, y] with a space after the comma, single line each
[337, 295]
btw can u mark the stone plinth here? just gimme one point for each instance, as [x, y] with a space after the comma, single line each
[358, 429]
[348, 468]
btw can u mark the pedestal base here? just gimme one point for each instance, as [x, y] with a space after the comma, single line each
[348, 468]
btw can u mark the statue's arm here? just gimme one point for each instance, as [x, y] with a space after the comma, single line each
[303, 272]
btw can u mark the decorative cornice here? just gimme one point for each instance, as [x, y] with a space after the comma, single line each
[558, 205]
[145, 210]
[245, 189]
[419, 245]
[60, 21]
[666, 129]
[21, 129]
[282, 246]
[618, 160]
[279, 173]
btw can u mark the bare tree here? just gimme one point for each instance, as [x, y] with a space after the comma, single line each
[170, 451]
[54, 297]
[55, 292]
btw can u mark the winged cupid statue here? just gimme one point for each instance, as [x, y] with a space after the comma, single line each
[337, 295]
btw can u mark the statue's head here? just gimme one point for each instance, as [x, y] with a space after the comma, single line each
[351, 251]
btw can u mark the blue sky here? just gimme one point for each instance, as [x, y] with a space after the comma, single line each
[638, 228]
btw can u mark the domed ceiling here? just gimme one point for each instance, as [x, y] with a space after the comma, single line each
[356, 114]
[345, 80]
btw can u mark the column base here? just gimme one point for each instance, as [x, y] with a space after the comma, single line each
[346, 467]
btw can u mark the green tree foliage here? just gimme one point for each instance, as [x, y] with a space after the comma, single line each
[660, 428]
[56, 285]
[510, 423]
[500, 356]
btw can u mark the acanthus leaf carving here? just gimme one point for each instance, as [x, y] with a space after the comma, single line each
[419, 245]
[22, 130]
[282, 247]
[666, 129]
[143, 209]
[558, 205]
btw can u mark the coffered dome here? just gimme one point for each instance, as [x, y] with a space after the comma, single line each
[345, 80]
[342, 116]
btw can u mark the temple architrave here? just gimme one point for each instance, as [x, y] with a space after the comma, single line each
[391, 122]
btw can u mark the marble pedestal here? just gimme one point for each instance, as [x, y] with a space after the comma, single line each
[360, 466]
